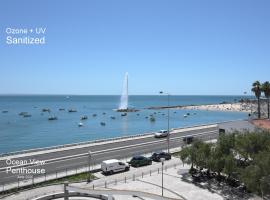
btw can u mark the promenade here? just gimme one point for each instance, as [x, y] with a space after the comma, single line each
[73, 159]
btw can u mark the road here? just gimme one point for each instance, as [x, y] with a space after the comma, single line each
[62, 160]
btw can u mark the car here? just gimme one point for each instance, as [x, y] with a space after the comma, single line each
[157, 156]
[138, 161]
[161, 134]
[188, 139]
[113, 166]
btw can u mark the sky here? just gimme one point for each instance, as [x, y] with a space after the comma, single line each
[183, 47]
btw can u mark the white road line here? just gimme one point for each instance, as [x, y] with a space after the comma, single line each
[106, 150]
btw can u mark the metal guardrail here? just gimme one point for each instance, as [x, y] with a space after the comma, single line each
[99, 141]
[85, 168]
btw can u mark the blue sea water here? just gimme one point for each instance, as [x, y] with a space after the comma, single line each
[19, 133]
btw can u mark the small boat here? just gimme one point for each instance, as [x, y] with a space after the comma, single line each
[80, 124]
[102, 123]
[23, 113]
[138, 114]
[112, 117]
[4, 111]
[61, 109]
[124, 114]
[46, 110]
[94, 115]
[27, 115]
[185, 116]
[52, 118]
[72, 110]
[84, 117]
[104, 113]
[146, 117]
[188, 113]
[152, 119]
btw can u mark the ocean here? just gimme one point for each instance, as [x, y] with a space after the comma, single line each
[21, 133]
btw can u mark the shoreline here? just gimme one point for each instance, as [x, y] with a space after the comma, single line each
[230, 107]
[226, 107]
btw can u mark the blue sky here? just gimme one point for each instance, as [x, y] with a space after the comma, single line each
[182, 46]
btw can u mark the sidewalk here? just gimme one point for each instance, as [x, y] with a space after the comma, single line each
[174, 187]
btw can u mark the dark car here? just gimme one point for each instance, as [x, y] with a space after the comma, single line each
[188, 139]
[138, 161]
[156, 156]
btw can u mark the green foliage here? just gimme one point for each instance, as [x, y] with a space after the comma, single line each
[251, 149]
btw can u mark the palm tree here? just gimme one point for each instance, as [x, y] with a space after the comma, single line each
[266, 91]
[256, 88]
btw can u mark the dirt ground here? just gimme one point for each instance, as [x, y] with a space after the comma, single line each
[262, 123]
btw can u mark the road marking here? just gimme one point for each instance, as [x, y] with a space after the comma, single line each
[108, 150]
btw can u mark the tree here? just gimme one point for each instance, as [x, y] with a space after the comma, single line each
[256, 88]
[230, 166]
[266, 91]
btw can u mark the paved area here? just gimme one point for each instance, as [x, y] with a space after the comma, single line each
[175, 186]
[237, 125]
[69, 159]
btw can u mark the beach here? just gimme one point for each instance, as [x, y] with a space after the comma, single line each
[234, 107]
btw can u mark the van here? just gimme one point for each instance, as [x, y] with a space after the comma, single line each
[113, 166]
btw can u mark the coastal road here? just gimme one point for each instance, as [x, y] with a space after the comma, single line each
[71, 158]
[62, 159]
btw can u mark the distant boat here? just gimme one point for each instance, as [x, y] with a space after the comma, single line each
[112, 117]
[4, 111]
[46, 110]
[72, 110]
[94, 115]
[152, 119]
[80, 124]
[61, 109]
[104, 113]
[84, 117]
[124, 114]
[102, 123]
[23, 113]
[185, 116]
[27, 115]
[52, 118]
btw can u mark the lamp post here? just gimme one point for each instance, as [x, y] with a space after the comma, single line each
[162, 162]
[168, 119]
[89, 162]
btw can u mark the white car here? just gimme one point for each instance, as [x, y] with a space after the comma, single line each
[113, 166]
[161, 133]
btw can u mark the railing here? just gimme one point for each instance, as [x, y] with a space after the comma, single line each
[100, 140]
[94, 167]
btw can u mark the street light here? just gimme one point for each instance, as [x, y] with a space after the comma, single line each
[168, 118]
[162, 161]
[89, 162]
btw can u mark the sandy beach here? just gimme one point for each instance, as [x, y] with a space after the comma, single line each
[234, 107]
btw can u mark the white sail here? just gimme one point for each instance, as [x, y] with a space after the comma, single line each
[124, 97]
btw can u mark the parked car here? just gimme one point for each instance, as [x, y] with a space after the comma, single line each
[138, 161]
[161, 134]
[156, 156]
[113, 166]
[188, 139]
